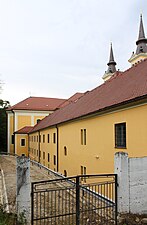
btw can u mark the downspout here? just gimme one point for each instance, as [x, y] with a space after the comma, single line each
[28, 146]
[57, 148]
[39, 146]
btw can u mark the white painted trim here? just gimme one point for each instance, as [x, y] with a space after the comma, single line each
[21, 112]
[10, 114]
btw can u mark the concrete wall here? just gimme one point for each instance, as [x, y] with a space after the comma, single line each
[23, 189]
[132, 183]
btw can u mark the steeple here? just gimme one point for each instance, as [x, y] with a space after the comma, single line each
[111, 66]
[141, 51]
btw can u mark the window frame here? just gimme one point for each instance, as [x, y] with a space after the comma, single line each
[21, 141]
[120, 135]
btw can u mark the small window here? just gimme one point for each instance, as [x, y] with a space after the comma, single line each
[23, 142]
[43, 138]
[65, 150]
[48, 157]
[38, 120]
[43, 155]
[48, 138]
[54, 138]
[39, 138]
[65, 173]
[83, 172]
[37, 152]
[54, 160]
[120, 135]
[83, 136]
[12, 139]
[34, 138]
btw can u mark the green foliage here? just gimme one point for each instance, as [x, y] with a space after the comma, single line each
[3, 125]
[7, 218]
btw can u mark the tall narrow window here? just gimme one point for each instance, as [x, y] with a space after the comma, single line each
[39, 138]
[54, 138]
[48, 157]
[23, 142]
[65, 150]
[43, 138]
[65, 173]
[54, 160]
[83, 136]
[120, 135]
[83, 172]
[43, 155]
[12, 140]
[48, 138]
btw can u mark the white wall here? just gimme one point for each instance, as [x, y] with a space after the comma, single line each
[132, 183]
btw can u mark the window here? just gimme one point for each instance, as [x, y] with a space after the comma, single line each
[83, 136]
[13, 139]
[43, 155]
[43, 138]
[48, 138]
[83, 172]
[54, 160]
[23, 142]
[34, 138]
[48, 157]
[54, 138]
[65, 150]
[120, 135]
[37, 152]
[39, 138]
[65, 173]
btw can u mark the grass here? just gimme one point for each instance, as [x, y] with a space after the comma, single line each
[7, 218]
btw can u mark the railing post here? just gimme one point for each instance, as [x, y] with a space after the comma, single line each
[77, 201]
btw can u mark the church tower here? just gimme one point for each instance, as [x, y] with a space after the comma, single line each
[141, 51]
[111, 66]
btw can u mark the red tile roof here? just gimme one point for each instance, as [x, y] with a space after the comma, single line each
[38, 103]
[24, 130]
[73, 98]
[121, 88]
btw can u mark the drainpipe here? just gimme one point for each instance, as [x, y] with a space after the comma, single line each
[39, 146]
[57, 148]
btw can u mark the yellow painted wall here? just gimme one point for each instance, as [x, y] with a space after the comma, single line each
[45, 147]
[98, 154]
[21, 149]
[23, 121]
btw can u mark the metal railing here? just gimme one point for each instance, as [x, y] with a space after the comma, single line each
[69, 201]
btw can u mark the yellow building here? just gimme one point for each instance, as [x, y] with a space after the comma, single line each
[83, 136]
[27, 113]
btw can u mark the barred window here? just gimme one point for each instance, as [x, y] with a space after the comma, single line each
[120, 135]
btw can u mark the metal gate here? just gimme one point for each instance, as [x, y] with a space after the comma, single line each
[80, 200]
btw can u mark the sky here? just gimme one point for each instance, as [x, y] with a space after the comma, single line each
[55, 48]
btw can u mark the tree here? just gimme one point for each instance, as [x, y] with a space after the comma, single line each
[3, 125]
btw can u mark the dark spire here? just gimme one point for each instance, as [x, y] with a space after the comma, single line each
[111, 64]
[142, 41]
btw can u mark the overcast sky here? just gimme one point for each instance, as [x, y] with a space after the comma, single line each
[55, 48]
